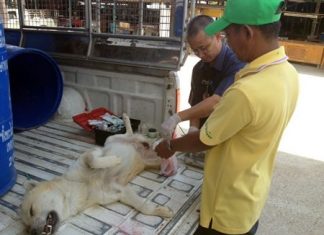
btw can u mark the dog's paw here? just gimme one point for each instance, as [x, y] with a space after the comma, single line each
[114, 160]
[164, 211]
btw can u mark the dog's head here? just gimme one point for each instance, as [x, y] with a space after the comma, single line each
[42, 207]
[145, 147]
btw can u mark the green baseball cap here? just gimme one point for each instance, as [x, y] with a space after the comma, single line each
[249, 12]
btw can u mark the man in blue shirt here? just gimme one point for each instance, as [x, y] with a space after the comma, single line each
[211, 76]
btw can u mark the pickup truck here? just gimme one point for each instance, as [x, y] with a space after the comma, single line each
[126, 55]
[124, 61]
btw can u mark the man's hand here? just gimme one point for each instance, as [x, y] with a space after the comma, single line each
[163, 149]
[169, 125]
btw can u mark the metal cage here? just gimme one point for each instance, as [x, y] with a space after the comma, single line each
[102, 29]
[157, 18]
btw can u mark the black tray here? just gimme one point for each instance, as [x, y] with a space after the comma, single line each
[102, 135]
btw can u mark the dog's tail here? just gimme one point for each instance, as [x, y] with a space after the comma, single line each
[128, 126]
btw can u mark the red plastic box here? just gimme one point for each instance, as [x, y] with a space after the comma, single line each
[83, 118]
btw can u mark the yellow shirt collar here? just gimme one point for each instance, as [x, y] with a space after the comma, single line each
[276, 56]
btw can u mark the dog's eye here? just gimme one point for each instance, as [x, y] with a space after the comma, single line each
[31, 212]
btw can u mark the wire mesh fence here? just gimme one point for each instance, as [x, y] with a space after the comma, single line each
[156, 18]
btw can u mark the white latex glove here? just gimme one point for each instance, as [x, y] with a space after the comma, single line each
[169, 125]
[193, 129]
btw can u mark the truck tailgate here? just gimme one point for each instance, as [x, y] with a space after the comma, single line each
[48, 151]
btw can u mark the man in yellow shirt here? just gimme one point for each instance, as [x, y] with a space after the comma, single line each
[242, 134]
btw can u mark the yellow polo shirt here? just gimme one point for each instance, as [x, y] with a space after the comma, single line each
[245, 129]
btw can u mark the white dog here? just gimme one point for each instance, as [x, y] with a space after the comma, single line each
[100, 176]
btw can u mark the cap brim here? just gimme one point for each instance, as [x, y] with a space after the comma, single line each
[216, 26]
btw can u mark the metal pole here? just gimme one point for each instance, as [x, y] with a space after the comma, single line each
[193, 9]
[315, 22]
[141, 15]
[183, 55]
[98, 20]
[89, 23]
[114, 26]
[70, 14]
[88, 15]
[21, 11]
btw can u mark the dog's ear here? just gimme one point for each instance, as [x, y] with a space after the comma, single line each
[29, 185]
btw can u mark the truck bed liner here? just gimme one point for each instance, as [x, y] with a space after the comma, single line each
[47, 152]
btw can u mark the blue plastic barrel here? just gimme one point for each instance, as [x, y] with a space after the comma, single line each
[36, 86]
[7, 169]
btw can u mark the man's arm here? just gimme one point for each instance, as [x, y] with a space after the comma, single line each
[195, 123]
[187, 143]
[200, 110]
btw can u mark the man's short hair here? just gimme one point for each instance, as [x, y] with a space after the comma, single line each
[271, 30]
[197, 24]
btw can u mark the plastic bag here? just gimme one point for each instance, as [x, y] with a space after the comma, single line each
[169, 166]
[72, 103]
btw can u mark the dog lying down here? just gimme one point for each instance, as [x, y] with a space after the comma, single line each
[99, 176]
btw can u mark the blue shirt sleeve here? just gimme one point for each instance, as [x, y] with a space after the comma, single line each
[228, 65]
[224, 84]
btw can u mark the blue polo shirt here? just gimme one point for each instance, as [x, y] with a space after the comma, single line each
[215, 77]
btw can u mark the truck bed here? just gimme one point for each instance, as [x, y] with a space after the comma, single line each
[47, 151]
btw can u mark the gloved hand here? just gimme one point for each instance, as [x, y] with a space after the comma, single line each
[169, 125]
[169, 165]
[193, 129]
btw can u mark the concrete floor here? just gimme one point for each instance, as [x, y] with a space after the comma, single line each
[296, 202]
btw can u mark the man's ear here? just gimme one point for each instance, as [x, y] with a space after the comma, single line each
[29, 185]
[248, 30]
[218, 36]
